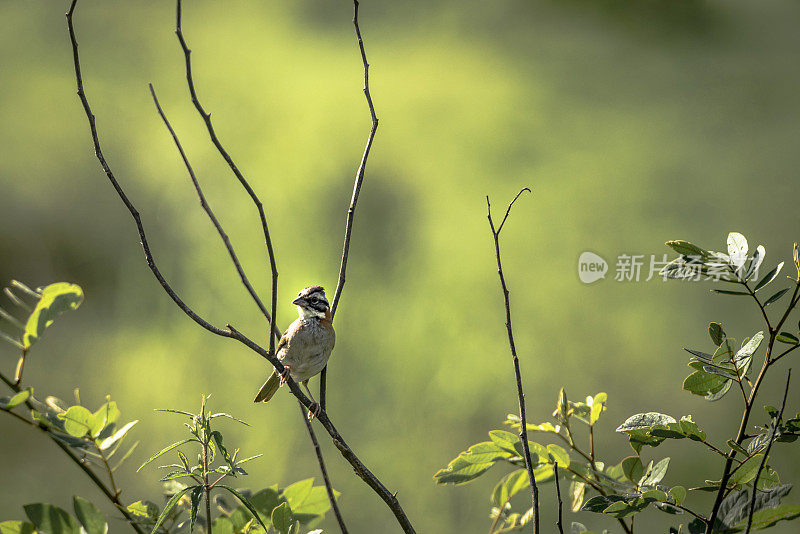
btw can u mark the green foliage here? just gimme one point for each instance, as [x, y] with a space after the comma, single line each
[631, 486]
[51, 301]
[285, 510]
[50, 519]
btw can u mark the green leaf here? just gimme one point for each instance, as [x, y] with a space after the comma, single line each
[77, 421]
[266, 500]
[644, 421]
[196, 497]
[654, 473]
[166, 450]
[717, 333]
[228, 459]
[17, 527]
[755, 263]
[749, 348]
[686, 248]
[144, 509]
[786, 337]
[223, 525]
[93, 521]
[598, 406]
[559, 455]
[622, 509]
[509, 485]
[505, 440]
[678, 493]
[775, 297]
[738, 448]
[721, 392]
[730, 292]
[247, 504]
[16, 400]
[600, 502]
[769, 277]
[747, 470]
[737, 248]
[472, 463]
[307, 500]
[55, 300]
[577, 490]
[169, 506]
[118, 435]
[690, 429]
[769, 517]
[768, 479]
[228, 416]
[633, 468]
[106, 415]
[51, 519]
[703, 383]
[282, 518]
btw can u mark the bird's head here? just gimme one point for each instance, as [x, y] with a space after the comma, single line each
[311, 302]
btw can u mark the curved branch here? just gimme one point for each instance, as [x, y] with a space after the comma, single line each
[360, 469]
[321, 461]
[223, 236]
[351, 211]
[274, 331]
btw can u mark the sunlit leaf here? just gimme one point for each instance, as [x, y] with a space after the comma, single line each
[166, 450]
[78, 421]
[55, 300]
[769, 277]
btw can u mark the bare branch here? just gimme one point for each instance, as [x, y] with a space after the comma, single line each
[328, 487]
[360, 469]
[523, 433]
[766, 454]
[223, 236]
[351, 211]
[134, 213]
[559, 523]
[274, 331]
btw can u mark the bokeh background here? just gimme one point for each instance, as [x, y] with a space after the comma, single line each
[635, 122]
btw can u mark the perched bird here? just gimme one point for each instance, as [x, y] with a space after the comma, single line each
[305, 347]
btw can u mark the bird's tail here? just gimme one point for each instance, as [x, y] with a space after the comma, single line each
[269, 388]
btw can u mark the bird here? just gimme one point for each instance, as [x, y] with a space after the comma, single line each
[305, 347]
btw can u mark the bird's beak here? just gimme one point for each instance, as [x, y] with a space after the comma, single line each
[297, 301]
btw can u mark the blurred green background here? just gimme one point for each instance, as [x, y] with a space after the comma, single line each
[634, 122]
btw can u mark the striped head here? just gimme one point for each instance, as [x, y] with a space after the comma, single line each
[311, 302]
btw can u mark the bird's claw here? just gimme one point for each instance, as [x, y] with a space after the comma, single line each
[285, 374]
[314, 410]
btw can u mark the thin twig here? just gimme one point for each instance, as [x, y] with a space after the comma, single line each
[558, 496]
[222, 234]
[351, 211]
[361, 470]
[274, 331]
[328, 487]
[523, 434]
[766, 454]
